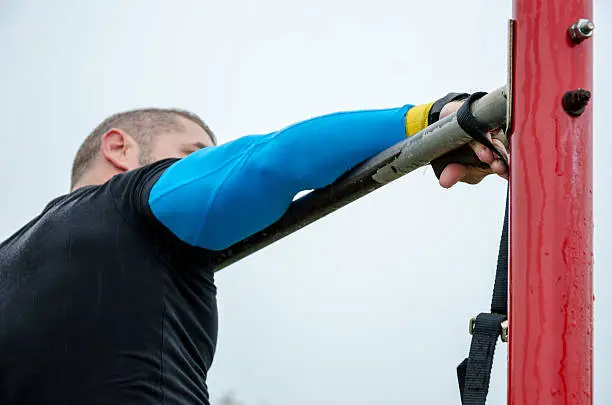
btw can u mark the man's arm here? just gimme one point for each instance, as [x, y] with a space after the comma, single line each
[220, 195]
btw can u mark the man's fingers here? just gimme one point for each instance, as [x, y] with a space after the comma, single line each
[501, 148]
[487, 155]
[483, 153]
[470, 174]
[498, 167]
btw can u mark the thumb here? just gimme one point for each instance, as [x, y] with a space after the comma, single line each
[452, 174]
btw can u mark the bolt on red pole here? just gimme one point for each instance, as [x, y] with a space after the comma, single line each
[551, 254]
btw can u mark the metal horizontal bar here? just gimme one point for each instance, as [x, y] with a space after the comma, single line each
[414, 152]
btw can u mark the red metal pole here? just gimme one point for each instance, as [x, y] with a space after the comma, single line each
[551, 255]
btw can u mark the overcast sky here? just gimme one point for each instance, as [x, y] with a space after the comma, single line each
[369, 305]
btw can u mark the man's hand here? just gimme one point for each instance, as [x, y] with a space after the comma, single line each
[471, 174]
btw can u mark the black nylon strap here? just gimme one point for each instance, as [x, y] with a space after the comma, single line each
[499, 301]
[474, 373]
[473, 128]
[464, 154]
[436, 108]
[480, 360]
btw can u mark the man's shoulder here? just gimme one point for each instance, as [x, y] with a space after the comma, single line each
[65, 222]
[52, 205]
[129, 192]
[121, 191]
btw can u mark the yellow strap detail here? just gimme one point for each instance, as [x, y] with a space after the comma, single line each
[416, 118]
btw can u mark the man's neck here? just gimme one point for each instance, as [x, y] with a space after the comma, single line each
[93, 179]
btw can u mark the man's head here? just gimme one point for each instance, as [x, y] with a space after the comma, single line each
[131, 139]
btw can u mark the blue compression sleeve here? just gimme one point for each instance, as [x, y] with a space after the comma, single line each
[220, 195]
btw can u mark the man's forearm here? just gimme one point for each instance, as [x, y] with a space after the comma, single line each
[220, 195]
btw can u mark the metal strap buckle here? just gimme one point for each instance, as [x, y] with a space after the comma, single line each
[504, 329]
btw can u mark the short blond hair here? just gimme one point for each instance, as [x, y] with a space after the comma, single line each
[143, 124]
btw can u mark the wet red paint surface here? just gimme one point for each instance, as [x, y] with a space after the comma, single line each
[551, 285]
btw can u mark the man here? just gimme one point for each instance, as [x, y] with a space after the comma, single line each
[108, 295]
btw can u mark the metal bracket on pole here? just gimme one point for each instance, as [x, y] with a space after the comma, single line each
[510, 86]
[414, 152]
[504, 329]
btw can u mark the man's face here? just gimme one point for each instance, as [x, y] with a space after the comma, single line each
[176, 144]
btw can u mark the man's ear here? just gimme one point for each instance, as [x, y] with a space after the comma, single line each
[120, 149]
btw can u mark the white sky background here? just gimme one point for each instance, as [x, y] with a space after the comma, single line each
[367, 306]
